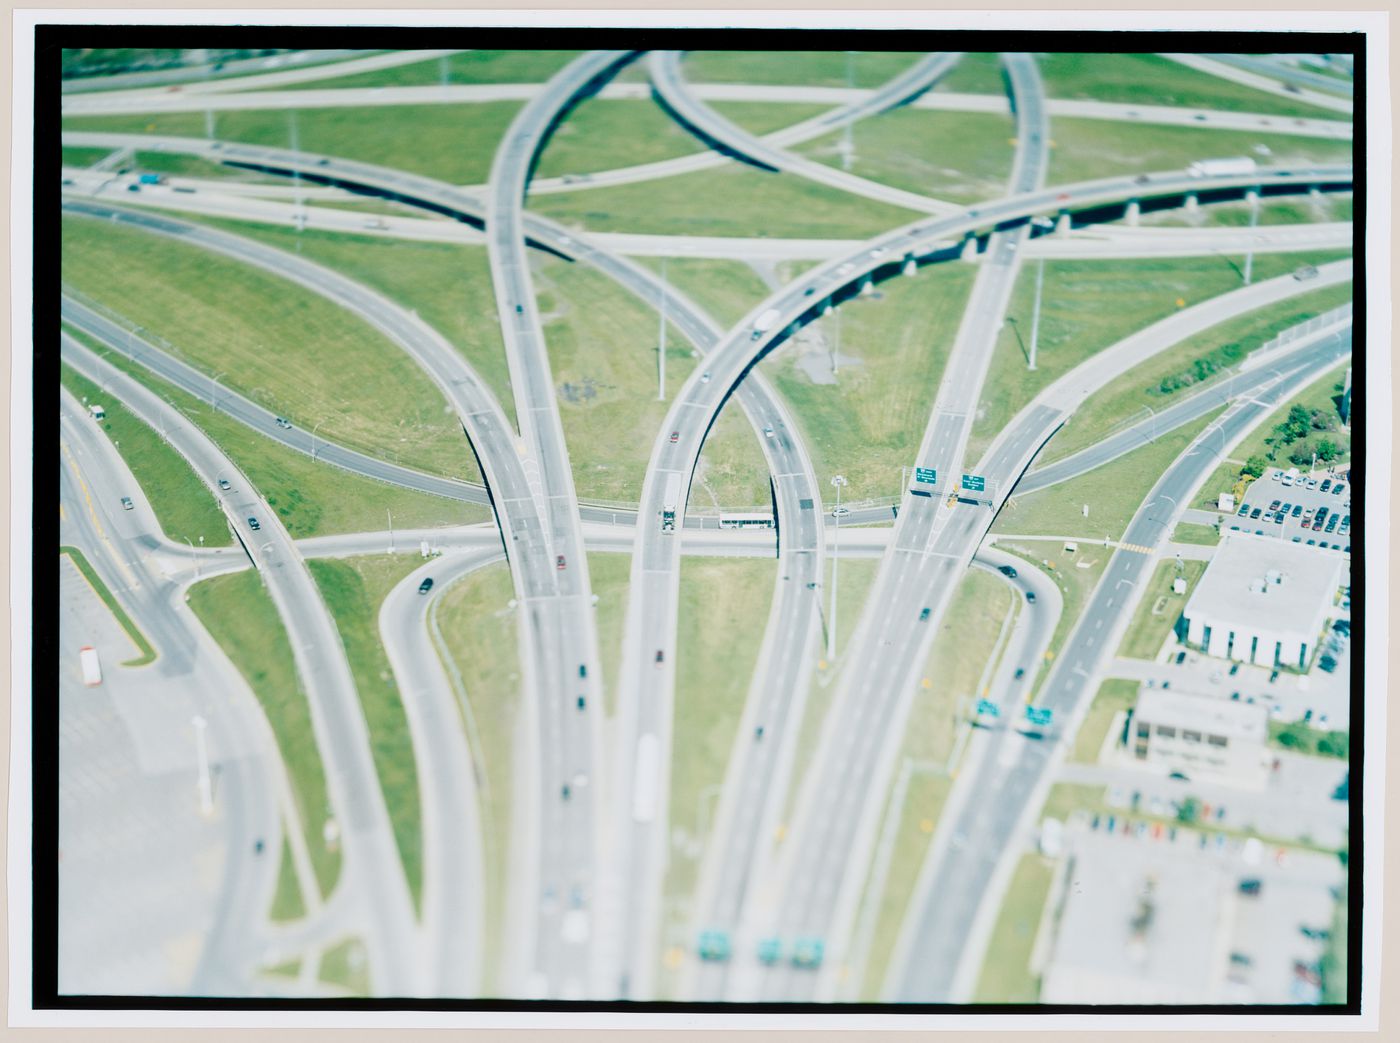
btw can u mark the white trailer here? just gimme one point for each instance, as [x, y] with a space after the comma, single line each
[1221, 167]
[670, 503]
[92, 667]
[97, 412]
[645, 778]
[764, 323]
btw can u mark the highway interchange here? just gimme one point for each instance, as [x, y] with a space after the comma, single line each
[604, 841]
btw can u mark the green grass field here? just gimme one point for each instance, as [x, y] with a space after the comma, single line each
[450, 142]
[354, 589]
[312, 499]
[447, 284]
[733, 472]
[802, 68]
[1275, 210]
[1159, 609]
[735, 200]
[147, 654]
[83, 157]
[1006, 974]
[961, 157]
[728, 290]
[1087, 149]
[610, 577]
[1087, 306]
[287, 902]
[284, 347]
[1201, 535]
[1114, 696]
[723, 607]
[870, 423]
[1149, 79]
[763, 118]
[1222, 346]
[346, 964]
[183, 504]
[1113, 492]
[480, 637]
[602, 345]
[464, 67]
[977, 72]
[178, 165]
[239, 614]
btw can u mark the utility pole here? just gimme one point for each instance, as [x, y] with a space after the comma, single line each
[848, 147]
[661, 339]
[1253, 221]
[836, 350]
[391, 529]
[838, 481]
[299, 213]
[313, 438]
[193, 556]
[1035, 312]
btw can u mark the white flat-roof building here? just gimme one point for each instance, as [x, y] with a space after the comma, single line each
[1202, 737]
[1263, 600]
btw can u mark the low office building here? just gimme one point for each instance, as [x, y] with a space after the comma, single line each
[1202, 737]
[1263, 600]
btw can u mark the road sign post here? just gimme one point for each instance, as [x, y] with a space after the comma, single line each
[926, 475]
[1039, 715]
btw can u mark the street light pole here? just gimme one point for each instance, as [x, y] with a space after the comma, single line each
[1253, 221]
[1035, 312]
[214, 390]
[206, 796]
[313, 438]
[836, 351]
[193, 556]
[661, 340]
[838, 481]
[391, 529]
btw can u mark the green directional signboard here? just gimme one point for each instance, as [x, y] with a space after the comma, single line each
[1039, 715]
[974, 483]
[927, 475]
[988, 707]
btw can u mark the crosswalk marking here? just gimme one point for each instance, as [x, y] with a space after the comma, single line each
[1139, 548]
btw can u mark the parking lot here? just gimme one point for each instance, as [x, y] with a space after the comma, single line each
[1314, 509]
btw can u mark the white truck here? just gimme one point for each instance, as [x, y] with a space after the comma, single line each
[92, 667]
[764, 323]
[97, 412]
[670, 503]
[1221, 167]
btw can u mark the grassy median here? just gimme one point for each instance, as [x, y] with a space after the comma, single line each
[1115, 695]
[1185, 368]
[1159, 608]
[1087, 149]
[104, 592]
[735, 200]
[239, 614]
[724, 604]
[312, 499]
[960, 157]
[610, 577]
[287, 902]
[475, 633]
[1006, 972]
[1087, 306]
[183, 504]
[728, 290]
[893, 347]
[1150, 79]
[450, 142]
[346, 964]
[291, 351]
[354, 589]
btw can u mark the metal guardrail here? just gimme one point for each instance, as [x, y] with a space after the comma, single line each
[1341, 313]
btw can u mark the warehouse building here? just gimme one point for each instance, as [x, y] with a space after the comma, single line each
[1202, 737]
[1263, 600]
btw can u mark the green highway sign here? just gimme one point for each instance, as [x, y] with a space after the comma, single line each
[988, 707]
[927, 475]
[1039, 715]
[974, 483]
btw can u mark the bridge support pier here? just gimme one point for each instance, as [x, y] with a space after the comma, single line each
[1133, 213]
[911, 266]
[867, 286]
[969, 250]
[1252, 197]
[1063, 224]
[1193, 204]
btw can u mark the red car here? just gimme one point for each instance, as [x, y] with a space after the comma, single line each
[675, 436]
[559, 562]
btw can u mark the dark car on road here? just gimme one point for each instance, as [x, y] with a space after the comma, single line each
[1007, 570]
[1030, 596]
[426, 585]
[253, 524]
[224, 485]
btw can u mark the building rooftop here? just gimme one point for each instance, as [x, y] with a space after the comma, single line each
[1264, 582]
[1236, 720]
